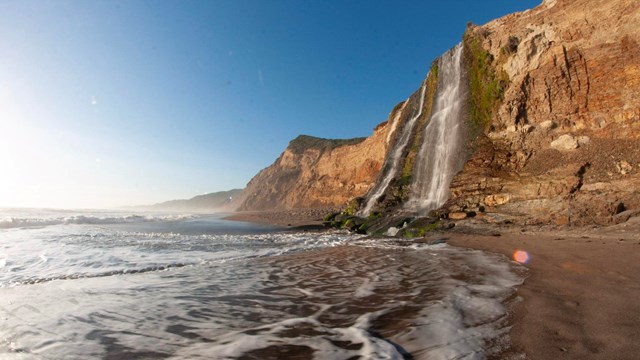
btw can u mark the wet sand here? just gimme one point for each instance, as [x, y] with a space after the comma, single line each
[582, 297]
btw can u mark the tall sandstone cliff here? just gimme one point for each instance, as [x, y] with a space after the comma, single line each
[563, 142]
[555, 101]
[314, 172]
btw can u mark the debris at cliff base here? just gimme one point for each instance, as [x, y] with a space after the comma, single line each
[565, 142]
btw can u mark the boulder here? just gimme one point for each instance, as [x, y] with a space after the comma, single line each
[583, 140]
[565, 142]
[623, 167]
[547, 125]
[458, 215]
[625, 215]
[497, 199]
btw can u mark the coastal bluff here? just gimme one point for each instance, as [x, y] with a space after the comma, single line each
[554, 118]
[314, 172]
[562, 144]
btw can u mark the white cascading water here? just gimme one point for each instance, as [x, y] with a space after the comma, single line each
[401, 144]
[439, 156]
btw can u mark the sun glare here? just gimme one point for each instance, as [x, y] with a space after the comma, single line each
[521, 256]
[32, 174]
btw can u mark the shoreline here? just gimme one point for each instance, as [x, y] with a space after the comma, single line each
[580, 300]
[289, 220]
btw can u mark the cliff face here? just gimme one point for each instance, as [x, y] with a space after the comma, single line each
[562, 143]
[553, 106]
[314, 172]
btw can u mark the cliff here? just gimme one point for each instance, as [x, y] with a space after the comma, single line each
[314, 172]
[561, 137]
[552, 128]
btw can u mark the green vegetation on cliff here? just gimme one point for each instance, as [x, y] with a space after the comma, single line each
[486, 84]
[304, 142]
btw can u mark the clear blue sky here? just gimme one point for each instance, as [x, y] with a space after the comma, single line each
[106, 103]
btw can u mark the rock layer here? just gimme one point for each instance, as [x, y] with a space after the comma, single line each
[563, 144]
[314, 172]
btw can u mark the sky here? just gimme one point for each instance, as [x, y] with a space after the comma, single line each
[112, 103]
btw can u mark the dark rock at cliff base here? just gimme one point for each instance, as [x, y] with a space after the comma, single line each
[624, 216]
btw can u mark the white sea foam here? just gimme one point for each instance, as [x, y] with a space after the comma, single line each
[99, 252]
[468, 322]
[235, 344]
[14, 222]
[107, 292]
[366, 288]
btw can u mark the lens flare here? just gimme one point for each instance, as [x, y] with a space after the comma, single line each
[521, 256]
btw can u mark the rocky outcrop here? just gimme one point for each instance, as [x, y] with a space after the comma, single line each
[563, 141]
[314, 172]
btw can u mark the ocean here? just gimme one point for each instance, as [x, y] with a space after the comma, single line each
[142, 285]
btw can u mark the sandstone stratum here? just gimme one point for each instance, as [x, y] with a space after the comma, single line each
[315, 172]
[563, 145]
[553, 118]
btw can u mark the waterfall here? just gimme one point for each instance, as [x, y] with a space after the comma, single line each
[440, 156]
[390, 167]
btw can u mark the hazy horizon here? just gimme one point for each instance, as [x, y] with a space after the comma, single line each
[107, 104]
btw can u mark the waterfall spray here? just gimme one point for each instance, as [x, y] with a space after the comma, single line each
[439, 157]
[390, 170]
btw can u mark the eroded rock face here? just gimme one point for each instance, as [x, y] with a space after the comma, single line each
[564, 144]
[314, 172]
[561, 146]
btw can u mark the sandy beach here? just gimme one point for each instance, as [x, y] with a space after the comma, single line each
[581, 299]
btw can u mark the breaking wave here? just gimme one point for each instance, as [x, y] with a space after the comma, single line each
[16, 222]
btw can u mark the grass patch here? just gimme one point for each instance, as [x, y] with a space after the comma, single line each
[374, 215]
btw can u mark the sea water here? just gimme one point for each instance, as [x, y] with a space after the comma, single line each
[124, 285]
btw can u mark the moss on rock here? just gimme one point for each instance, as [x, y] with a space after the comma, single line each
[486, 83]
